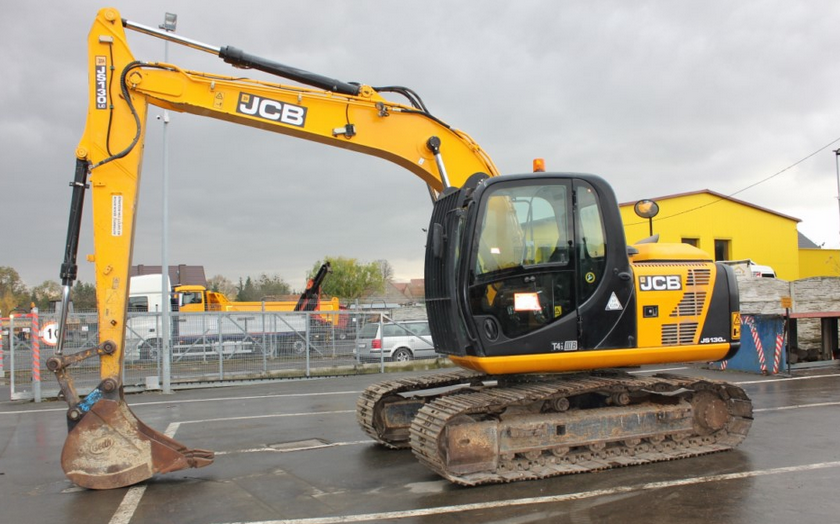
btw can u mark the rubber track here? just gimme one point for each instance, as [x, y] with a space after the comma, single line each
[366, 405]
[431, 422]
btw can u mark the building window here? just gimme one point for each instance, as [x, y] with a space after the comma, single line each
[691, 241]
[721, 249]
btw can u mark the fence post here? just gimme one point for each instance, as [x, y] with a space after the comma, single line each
[264, 342]
[11, 356]
[35, 336]
[356, 327]
[221, 347]
[307, 341]
[158, 330]
[382, 344]
[2, 371]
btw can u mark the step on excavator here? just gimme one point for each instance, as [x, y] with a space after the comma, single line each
[531, 289]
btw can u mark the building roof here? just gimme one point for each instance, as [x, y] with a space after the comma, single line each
[806, 243]
[720, 197]
[417, 287]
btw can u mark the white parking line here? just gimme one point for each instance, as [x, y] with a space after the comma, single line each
[251, 397]
[129, 503]
[662, 370]
[784, 379]
[272, 415]
[299, 448]
[798, 406]
[483, 506]
[172, 401]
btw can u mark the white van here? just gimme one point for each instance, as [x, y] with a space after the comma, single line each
[760, 271]
[749, 269]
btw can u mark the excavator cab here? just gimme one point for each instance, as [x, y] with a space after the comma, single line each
[541, 262]
[531, 274]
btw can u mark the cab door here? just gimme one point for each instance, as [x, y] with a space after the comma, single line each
[538, 267]
[523, 268]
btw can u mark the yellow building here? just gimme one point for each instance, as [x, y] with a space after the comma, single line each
[816, 262]
[731, 229]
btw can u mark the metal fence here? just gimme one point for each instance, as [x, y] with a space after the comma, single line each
[205, 348]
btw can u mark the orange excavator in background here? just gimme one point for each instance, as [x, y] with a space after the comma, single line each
[311, 295]
[531, 289]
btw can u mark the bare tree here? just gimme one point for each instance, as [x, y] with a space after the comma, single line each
[223, 285]
[386, 269]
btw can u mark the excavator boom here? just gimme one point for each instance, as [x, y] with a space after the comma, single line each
[107, 446]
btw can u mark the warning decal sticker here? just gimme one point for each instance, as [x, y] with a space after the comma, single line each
[116, 215]
[614, 304]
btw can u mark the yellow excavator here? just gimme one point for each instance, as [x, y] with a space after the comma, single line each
[531, 289]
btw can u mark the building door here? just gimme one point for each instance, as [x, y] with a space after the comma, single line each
[721, 249]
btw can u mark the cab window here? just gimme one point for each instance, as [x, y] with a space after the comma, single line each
[191, 298]
[138, 304]
[524, 226]
[524, 263]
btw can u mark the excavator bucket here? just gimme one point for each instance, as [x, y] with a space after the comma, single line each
[111, 448]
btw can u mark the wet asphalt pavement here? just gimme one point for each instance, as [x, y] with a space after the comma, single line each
[292, 452]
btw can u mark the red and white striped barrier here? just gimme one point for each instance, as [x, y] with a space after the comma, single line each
[777, 356]
[35, 334]
[2, 372]
[759, 348]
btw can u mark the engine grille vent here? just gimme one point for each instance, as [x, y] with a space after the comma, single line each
[679, 334]
[691, 305]
[698, 277]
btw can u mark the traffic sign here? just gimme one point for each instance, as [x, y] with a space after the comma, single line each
[49, 333]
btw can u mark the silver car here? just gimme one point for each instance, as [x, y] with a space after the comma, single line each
[403, 341]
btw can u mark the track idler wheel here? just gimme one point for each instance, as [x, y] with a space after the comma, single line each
[109, 447]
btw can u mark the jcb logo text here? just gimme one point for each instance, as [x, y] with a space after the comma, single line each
[660, 283]
[273, 110]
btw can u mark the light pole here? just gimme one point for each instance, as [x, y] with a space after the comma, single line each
[170, 20]
[837, 168]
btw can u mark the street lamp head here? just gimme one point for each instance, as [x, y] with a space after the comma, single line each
[169, 22]
[646, 208]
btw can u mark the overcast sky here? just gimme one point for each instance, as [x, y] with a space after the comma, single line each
[657, 97]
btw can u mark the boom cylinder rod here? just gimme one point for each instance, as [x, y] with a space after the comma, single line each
[239, 58]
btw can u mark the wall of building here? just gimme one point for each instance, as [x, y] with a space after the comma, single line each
[819, 263]
[766, 238]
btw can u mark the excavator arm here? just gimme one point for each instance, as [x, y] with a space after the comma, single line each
[310, 297]
[107, 445]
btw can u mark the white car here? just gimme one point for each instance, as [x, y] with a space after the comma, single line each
[403, 341]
